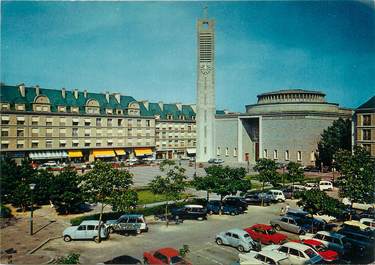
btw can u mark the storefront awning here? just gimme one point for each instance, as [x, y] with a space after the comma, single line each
[143, 151]
[48, 155]
[191, 151]
[120, 152]
[103, 153]
[75, 153]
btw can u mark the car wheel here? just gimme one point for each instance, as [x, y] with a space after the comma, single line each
[278, 227]
[219, 241]
[232, 213]
[67, 238]
[302, 232]
[145, 261]
[210, 212]
[200, 218]
[279, 200]
[111, 230]
[240, 248]
[96, 239]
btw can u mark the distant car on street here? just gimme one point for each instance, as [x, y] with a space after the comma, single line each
[235, 201]
[128, 223]
[215, 161]
[195, 212]
[327, 254]
[325, 185]
[264, 257]
[215, 207]
[276, 195]
[256, 199]
[290, 224]
[266, 234]
[165, 256]
[86, 230]
[237, 238]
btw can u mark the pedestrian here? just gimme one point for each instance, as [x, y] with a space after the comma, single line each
[282, 211]
[287, 208]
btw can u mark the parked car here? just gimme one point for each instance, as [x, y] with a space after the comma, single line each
[331, 240]
[128, 223]
[290, 224]
[298, 254]
[288, 192]
[327, 254]
[238, 202]
[315, 224]
[86, 230]
[311, 169]
[361, 238]
[164, 256]
[325, 185]
[195, 212]
[311, 186]
[266, 234]
[370, 222]
[215, 207]
[264, 257]
[215, 161]
[276, 195]
[256, 199]
[237, 238]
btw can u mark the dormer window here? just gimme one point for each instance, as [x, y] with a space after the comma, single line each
[157, 117]
[5, 106]
[20, 107]
[109, 111]
[74, 109]
[181, 117]
[193, 118]
[119, 111]
[62, 109]
[169, 117]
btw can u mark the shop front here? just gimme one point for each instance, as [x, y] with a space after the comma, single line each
[144, 153]
[49, 155]
[103, 154]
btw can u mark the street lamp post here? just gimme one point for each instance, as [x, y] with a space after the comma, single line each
[32, 187]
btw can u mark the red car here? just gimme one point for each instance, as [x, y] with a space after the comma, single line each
[327, 254]
[164, 256]
[266, 234]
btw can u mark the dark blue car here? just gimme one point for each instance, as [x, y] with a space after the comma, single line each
[214, 207]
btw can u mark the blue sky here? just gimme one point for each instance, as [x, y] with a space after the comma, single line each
[148, 49]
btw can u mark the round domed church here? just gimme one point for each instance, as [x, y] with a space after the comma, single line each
[284, 125]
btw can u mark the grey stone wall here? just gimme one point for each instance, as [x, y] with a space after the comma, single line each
[226, 137]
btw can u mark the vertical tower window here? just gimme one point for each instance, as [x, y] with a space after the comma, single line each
[287, 155]
[265, 153]
[235, 152]
[275, 155]
[226, 151]
[218, 151]
[299, 156]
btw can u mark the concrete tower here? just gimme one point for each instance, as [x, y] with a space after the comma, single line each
[206, 107]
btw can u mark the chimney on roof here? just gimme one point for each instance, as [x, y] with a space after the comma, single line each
[37, 90]
[161, 105]
[145, 103]
[85, 93]
[179, 106]
[194, 107]
[63, 92]
[117, 97]
[75, 93]
[107, 96]
[22, 89]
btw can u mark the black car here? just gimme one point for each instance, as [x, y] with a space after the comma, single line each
[215, 207]
[194, 212]
[256, 199]
[238, 202]
[362, 241]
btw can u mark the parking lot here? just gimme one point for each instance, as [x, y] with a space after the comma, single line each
[198, 235]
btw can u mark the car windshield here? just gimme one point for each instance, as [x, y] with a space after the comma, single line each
[176, 259]
[271, 231]
[310, 253]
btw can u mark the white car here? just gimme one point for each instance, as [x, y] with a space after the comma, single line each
[325, 185]
[298, 254]
[310, 186]
[331, 240]
[369, 222]
[264, 257]
[277, 195]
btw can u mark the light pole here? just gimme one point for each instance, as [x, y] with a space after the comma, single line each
[32, 187]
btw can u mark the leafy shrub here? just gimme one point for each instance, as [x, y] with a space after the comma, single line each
[5, 212]
[72, 258]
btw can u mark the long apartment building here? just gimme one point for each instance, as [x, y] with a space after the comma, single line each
[45, 124]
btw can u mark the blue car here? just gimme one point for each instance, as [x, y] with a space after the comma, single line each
[214, 207]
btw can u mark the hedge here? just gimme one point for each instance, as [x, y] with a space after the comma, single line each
[115, 215]
[5, 212]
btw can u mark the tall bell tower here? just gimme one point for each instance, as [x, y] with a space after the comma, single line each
[206, 107]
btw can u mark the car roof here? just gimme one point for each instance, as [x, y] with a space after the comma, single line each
[194, 205]
[296, 245]
[170, 252]
[337, 235]
[312, 242]
[131, 215]
[90, 222]
[367, 219]
[275, 190]
[237, 231]
[275, 255]
[263, 226]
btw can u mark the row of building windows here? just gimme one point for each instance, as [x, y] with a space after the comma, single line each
[226, 151]
[287, 155]
[366, 134]
[366, 120]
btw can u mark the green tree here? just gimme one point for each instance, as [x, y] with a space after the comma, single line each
[357, 175]
[103, 183]
[125, 201]
[9, 176]
[64, 191]
[227, 180]
[267, 172]
[206, 183]
[295, 173]
[335, 137]
[43, 186]
[172, 184]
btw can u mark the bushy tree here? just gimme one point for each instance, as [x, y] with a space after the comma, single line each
[125, 201]
[295, 173]
[64, 191]
[172, 184]
[335, 137]
[9, 176]
[267, 172]
[357, 175]
[103, 183]
[43, 181]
